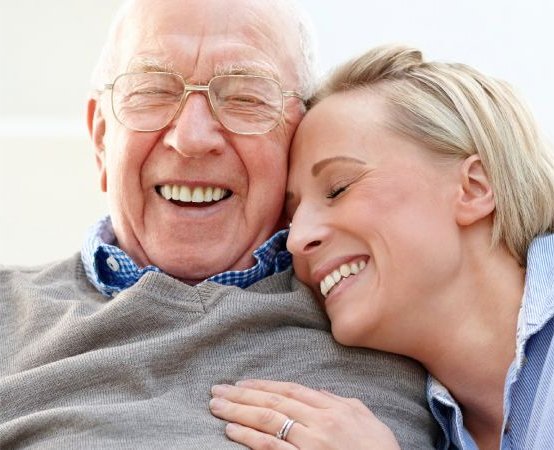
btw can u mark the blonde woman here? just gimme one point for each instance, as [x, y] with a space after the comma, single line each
[422, 205]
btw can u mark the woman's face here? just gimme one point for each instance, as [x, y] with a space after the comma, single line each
[373, 229]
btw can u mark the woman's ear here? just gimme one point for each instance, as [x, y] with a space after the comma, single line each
[97, 130]
[476, 200]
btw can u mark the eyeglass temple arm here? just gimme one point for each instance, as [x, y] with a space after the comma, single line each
[293, 94]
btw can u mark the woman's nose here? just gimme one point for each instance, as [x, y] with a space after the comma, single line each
[307, 233]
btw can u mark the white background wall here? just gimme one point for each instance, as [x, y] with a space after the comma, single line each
[48, 188]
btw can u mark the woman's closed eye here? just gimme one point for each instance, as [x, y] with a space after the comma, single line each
[336, 191]
[338, 185]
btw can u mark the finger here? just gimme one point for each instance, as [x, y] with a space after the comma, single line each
[262, 419]
[352, 402]
[294, 391]
[277, 402]
[255, 439]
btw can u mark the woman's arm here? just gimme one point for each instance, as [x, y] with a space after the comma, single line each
[258, 410]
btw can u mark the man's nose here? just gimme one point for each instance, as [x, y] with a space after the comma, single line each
[194, 131]
[308, 232]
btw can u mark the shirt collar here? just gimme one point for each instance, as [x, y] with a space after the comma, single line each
[448, 414]
[537, 306]
[111, 270]
[538, 295]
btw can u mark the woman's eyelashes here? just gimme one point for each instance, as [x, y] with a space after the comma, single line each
[340, 184]
[336, 191]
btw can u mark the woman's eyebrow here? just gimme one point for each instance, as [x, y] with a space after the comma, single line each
[320, 165]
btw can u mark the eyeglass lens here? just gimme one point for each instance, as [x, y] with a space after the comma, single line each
[243, 104]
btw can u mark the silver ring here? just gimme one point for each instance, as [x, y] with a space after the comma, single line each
[284, 431]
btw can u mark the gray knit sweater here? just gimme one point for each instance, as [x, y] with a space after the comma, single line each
[80, 371]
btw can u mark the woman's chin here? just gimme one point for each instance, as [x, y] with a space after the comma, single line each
[348, 334]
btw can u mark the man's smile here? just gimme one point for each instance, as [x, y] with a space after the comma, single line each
[182, 195]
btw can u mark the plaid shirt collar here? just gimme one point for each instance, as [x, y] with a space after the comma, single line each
[111, 270]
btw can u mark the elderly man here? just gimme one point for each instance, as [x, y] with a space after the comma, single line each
[185, 285]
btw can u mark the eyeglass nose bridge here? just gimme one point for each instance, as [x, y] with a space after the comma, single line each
[190, 89]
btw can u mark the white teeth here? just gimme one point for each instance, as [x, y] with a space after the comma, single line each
[344, 271]
[217, 194]
[197, 195]
[326, 284]
[323, 288]
[175, 192]
[336, 276]
[194, 195]
[184, 194]
[166, 192]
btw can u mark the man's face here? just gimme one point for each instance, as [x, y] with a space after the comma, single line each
[198, 39]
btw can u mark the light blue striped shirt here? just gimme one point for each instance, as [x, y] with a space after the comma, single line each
[529, 387]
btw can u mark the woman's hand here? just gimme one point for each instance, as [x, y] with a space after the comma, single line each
[259, 409]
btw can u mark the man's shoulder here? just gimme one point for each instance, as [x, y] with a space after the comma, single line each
[281, 282]
[38, 268]
[69, 270]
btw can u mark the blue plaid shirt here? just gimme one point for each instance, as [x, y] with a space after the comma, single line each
[529, 386]
[111, 270]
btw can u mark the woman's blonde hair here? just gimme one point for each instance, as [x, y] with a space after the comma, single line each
[456, 111]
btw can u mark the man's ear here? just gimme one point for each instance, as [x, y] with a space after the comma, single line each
[97, 130]
[476, 200]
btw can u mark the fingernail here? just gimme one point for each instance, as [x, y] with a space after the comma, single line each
[244, 383]
[231, 428]
[217, 403]
[220, 389]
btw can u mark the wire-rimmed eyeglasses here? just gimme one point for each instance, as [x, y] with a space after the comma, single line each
[243, 104]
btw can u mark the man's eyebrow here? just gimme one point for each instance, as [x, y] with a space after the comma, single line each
[154, 65]
[149, 65]
[245, 69]
[320, 165]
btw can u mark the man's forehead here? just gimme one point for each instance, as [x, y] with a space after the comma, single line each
[210, 18]
[236, 37]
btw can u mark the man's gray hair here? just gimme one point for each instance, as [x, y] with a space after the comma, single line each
[308, 69]
[307, 65]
